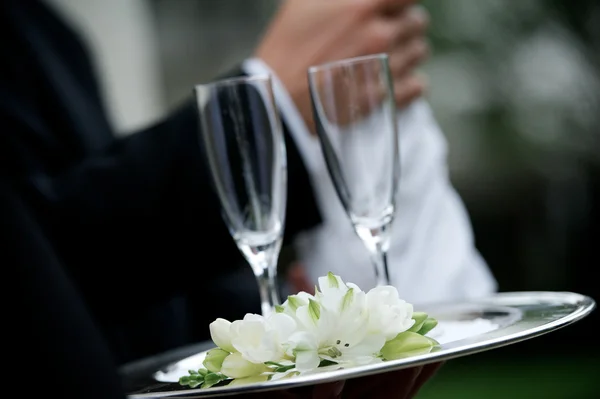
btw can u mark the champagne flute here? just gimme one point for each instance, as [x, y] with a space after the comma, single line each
[242, 138]
[355, 116]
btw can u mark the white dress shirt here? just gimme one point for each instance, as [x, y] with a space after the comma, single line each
[432, 256]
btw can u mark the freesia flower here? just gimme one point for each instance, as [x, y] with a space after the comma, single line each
[339, 326]
[261, 339]
[220, 333]
[388, 314]
[334, 327]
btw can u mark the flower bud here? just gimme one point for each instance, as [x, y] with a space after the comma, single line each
[419, 318]
[428, 325]
[214, 359]
[406, 344]
[220, 332]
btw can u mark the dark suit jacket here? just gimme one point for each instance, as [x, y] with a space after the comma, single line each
[132, 220]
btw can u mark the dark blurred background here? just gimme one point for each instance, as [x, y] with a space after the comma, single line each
[515, 86]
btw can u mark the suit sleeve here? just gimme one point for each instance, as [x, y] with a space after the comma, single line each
[140, 220]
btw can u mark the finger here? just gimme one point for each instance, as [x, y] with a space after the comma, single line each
[331, 390]
[404, 59]
[384, 33]
[411, 23]
[409, 89]
[427, 372]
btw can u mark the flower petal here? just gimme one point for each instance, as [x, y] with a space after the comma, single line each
[370, 346]
[282, 324]
[220, 333]
[305, 350]
[253, 317]
[307, 360]
[235, 366]
[330, 283]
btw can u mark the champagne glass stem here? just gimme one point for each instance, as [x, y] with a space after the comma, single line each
[274, 292]
[380, 262]
[267, 287]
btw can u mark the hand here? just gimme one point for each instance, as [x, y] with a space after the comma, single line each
[311, 32]
[402, 384]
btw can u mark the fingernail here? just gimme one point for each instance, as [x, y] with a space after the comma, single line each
[419, 13]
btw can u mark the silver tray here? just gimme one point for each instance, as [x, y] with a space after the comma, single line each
[465, 328]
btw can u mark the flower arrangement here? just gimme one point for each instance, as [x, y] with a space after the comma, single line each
[340, 326]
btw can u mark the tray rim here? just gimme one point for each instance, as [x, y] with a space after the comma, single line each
[450, 350]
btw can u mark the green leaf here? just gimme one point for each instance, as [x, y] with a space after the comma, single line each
[212, 379]
[279, 309]
[347, 299]
[314, 310]
[325, 363]
[419, 318]
[283, 369]
[428, 325]
[195, 383]
[269, 363]
[332, 280]
[194, 379]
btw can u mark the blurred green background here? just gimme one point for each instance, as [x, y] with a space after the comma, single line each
[515, 86]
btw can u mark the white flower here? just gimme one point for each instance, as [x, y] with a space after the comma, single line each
[305, 349]
[220, 332]
[341, 325]
[388, 314]
[261, 339]
[293, 302]
[334, 326]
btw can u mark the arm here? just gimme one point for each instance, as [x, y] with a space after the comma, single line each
[432, 256]
[140, 220]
